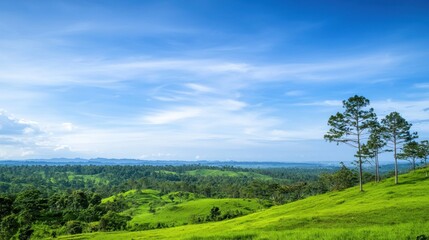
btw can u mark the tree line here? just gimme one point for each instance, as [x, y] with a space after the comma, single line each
[359, 127]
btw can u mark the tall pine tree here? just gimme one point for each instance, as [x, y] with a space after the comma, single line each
[396, 133]
[352, 127]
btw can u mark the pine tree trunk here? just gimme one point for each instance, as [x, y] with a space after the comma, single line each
[426, 166]
[396, 160]
[377, 170]
[360, 157]
[375, 173]
[360, 174]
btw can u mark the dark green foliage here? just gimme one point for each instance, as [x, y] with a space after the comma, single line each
[424, 150]
[411, 151]
[422, 237]
[77, 200]
[95, 199]
[5, 206]
[25, 232]
[112, 221]
[215, 213]
[92, 213]
[342, 179]
[74, 227]
[424, 153]
[9, 226]
[29, 203]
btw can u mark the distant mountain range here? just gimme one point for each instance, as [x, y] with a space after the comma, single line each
[108, 161]
[248, 164]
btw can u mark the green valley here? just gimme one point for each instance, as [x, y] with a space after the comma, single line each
[148, 209]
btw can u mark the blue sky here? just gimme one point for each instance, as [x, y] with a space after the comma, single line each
[214, 80]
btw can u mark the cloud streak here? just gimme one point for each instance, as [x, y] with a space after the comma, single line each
[69, 71]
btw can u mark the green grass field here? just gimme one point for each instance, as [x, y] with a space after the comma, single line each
[382, 211]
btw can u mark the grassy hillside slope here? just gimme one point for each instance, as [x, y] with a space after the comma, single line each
[383, 211]
[149, 209]
[188, 212]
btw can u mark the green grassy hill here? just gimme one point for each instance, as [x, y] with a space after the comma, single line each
[189, 212]
[134, 197]
[383, 211]
[149, 209]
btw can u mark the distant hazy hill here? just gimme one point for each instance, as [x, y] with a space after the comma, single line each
[107, 161]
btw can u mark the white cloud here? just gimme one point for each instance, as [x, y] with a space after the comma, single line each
[199, 88]
[62, 148]
[21, 138]
[166, 117]
[68, 126]
[232, 105]
[9, 125]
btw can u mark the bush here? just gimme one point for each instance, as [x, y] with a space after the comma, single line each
[74, 227]
[112, 221]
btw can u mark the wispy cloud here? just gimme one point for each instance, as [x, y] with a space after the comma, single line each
[166, 117]
[422, 85]
[295, 93]
[411, 110]
[94, 71]
[323, 103]
[199, 88]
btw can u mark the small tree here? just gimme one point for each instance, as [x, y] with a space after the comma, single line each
[112, 221]
[74, 227]
[215, 213]
[411, 152]
[374, 146]
[396, 132]
[352, 126]
[424, 153]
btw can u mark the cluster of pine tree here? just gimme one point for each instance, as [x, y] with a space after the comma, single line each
[359, 127]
